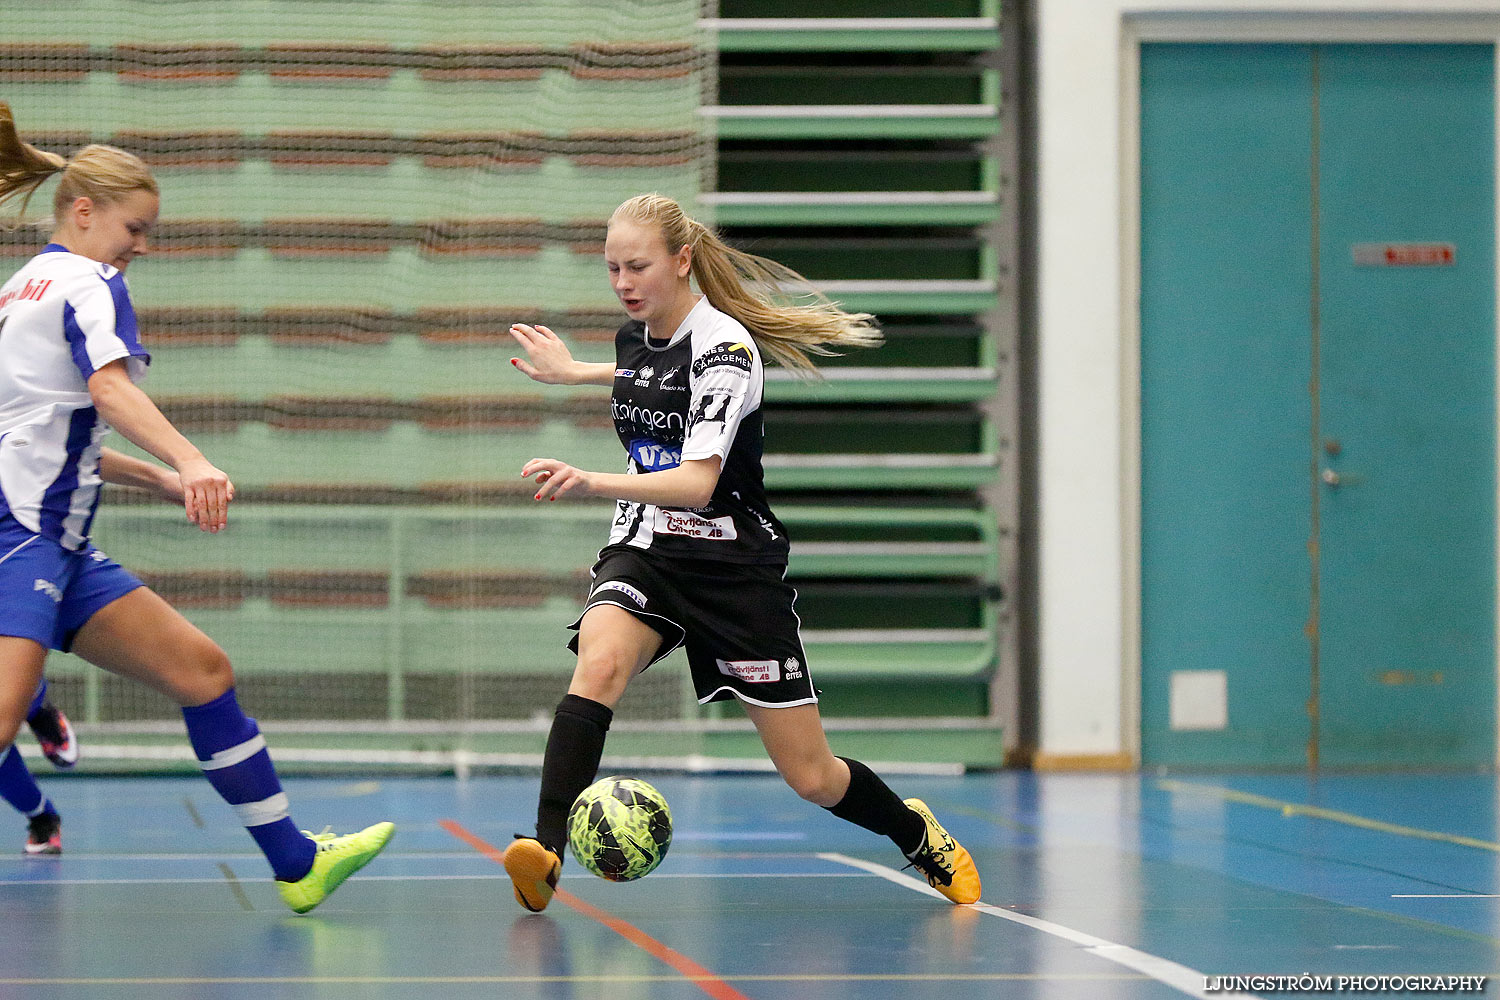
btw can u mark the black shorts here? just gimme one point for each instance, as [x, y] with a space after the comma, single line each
[736, 620]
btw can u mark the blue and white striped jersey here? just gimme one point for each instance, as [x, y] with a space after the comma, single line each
[62, 318]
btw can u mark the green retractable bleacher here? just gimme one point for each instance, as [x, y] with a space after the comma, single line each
[351, 220]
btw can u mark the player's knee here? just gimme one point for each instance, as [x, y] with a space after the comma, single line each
[602, 674]
[818, 785]
[209, 674]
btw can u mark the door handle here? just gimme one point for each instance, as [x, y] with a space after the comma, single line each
[1334, 479]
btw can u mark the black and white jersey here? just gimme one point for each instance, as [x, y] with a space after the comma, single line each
[696, 396]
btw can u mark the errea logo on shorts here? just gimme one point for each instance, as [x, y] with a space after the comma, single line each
[50, 589]
[751, 671]
[624, 588]
[793, 668]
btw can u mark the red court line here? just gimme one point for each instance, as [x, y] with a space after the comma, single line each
[691, 970]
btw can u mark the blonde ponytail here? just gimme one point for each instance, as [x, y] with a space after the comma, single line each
[101, 173]
[785, 314]
[23, 167]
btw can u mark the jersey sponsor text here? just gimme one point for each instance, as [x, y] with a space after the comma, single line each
[690, 525]
[654, 456]
[735, 356]
[644, 417]
[751, 671]
[33, 290]
[624, 588]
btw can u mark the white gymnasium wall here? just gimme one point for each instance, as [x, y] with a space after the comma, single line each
[1085, 49]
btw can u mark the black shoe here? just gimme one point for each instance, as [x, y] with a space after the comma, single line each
[51, 729]
[44, 835]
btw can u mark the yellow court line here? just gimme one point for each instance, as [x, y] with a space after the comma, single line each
[1332, 815]
[482, 980]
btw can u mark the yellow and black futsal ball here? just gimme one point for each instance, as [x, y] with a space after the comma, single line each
[620, 828]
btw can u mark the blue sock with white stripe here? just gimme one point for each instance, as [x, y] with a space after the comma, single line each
[19, 788]
[235, 761]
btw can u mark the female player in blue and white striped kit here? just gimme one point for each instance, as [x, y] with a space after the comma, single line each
[70, 357]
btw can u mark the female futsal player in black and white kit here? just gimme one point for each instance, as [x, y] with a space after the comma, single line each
[695, 556]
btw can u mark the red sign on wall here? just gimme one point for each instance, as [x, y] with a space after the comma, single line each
[1403, 254]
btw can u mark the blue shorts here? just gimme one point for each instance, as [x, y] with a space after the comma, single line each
[48, 593]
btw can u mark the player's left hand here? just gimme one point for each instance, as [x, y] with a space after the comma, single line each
[206, 492]
[554, 478]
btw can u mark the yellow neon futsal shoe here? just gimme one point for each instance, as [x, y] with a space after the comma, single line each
[948, 867]
[533, 871]
[337, 859]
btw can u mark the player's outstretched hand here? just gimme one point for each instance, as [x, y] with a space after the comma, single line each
[550, 360]
[554, 478]
[206, 493]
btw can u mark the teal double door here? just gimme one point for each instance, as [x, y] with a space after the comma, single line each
[1318, 405]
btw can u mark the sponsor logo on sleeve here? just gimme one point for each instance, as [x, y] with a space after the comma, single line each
[690, 525]
[653, 456]
[732, 356]
[624, 588]
[711, 407]
[624, 373]
[751, 671]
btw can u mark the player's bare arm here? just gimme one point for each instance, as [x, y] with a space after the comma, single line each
[549, 361]
[690, 484]
[206, 490]
[127, 470]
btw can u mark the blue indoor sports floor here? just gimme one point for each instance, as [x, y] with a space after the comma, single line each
[1096, 886]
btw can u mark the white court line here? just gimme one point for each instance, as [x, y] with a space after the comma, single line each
[247, 856]
[462, 760]
[404, 856]
[219, 880]
[1445, 895]
[1179, 977]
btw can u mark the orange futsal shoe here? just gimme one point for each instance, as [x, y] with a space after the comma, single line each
[948, 867]
[533, 870]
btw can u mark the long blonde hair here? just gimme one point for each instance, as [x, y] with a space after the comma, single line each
[782, 310]
[102, 173]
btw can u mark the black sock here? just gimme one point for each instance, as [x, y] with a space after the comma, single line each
[572, 760]
[870, 803]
